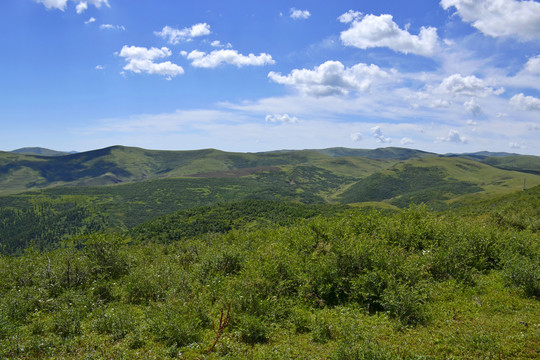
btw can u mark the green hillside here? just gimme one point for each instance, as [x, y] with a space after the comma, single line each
[120, 164]
[523, 163]
[437, 181]
[393, 153]
[118, 188]
[213, 255]
[124, 206]
[123, 164]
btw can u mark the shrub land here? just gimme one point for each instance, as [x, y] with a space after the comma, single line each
[276, 280]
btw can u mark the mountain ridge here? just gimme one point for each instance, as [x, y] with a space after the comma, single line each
[117, 164]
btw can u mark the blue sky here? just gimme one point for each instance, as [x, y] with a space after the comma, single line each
[442, 76]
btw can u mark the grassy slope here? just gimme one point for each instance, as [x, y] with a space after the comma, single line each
[524, 163]
[119, 164]
[381, 153]
[436, 178]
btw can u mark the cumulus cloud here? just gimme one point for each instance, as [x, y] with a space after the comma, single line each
[406, 141]
[281, 118]
[299, 14]
[217, 57]
[330, 78]
[468, 86]
[473, 106]
[498, 18]
[218, 44]
[525, 102]
[142, 60]
[174, 36]
[100, 67]
[80, 8]
[378, 135]
[454, 136]
[381, 31]
[356, 136]
[533, 65]
[91, 20]
[350, 16]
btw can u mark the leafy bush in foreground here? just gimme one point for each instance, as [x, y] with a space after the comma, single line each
[412, 284]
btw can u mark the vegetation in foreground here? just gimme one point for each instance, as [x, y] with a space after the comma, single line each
[410, 284]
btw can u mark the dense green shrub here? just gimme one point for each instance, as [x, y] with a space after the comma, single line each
[253, 330]
[116, 320]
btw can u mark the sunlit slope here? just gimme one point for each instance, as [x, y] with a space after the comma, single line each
[523, 163]
[436, 179]
[395, 153]
[119, 164]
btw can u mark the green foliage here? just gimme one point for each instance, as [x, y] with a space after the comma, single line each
[302, 281]
[253, 330]
[116, 320]
[413, 184]
[176, 325]
[45, 223]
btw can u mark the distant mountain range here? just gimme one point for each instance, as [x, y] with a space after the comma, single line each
[380, 153]
[37, 168]
[41, 151]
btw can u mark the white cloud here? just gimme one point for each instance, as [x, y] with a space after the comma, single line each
[330, 78]
[91, 20]
[80, 8]
[382, 31]
[217, 57]
[378, 135]
[356, 136]
[218, 44]
[100, 67]
[299, 14]
[281, 118]
[141, 59]
[525, 102]
[112, 27]
[350, 16]
[514, 145]
[455, 137]
[174, 36]
[406, 141]
[471, 123]
[498, 18]
[473, 106]
[533, 65]
[468, 86]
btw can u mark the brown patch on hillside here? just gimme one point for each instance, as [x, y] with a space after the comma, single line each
[235, 173]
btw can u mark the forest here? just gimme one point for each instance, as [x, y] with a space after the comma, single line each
[308, 261]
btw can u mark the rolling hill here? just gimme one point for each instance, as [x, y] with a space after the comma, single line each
[44, 199]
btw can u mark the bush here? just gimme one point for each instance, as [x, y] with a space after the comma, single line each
[177, 326]
[117, 320]
[524, 273]
[253, 330]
